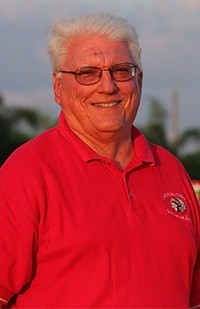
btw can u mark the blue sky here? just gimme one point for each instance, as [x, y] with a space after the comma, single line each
[169, 34]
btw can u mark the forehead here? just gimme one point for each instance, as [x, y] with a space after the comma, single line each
[96, 50]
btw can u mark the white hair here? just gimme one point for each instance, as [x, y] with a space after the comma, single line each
[110, 26]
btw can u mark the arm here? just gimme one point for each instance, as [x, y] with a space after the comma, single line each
[19, 224]
[17, 228]
[195, 289]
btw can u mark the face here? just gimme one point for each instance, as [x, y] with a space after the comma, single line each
[108, 106]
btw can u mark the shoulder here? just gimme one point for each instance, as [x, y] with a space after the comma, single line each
[27, 160]
[160, 156]
[163, 156]
[30, 152]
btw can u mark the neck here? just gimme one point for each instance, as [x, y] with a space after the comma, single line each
[120, 150]
[121, 154]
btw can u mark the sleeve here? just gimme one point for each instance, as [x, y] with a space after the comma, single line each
[195, 286]
[195, 210]
[18, 238]
[18, 232]
[195, 289]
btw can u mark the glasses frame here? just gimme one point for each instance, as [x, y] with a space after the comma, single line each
[75, 73]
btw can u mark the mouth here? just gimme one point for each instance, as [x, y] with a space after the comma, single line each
[106, 104]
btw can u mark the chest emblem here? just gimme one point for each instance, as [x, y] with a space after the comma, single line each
[178, 205]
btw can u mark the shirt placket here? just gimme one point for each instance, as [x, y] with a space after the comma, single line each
[120, 176]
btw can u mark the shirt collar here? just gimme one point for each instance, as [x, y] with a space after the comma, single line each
[141, 148]
[83, 149]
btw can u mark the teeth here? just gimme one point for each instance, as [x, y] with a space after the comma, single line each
[106, 104]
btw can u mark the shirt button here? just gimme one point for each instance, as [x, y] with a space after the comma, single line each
[130, 194]
[106, 162]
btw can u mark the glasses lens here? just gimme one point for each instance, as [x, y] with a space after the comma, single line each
[88, 75]
[123, 72]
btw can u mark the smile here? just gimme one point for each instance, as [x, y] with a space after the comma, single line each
[106, 104]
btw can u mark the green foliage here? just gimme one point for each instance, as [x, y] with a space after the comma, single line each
[155, 131]
[192, 164]
[17, 126]
[157, 113]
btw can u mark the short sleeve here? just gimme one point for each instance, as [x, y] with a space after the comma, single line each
[18, 233]
[195, 288]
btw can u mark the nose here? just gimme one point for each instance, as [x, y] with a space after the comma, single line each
[107, 84]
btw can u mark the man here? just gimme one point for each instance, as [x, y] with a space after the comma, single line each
[92, 215]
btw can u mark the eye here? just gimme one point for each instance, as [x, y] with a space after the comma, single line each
[122, 70]
[86, 71]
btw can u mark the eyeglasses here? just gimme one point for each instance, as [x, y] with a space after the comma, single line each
[90, 75]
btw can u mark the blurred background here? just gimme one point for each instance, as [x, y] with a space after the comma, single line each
[169, 34]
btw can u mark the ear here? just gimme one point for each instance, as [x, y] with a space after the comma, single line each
[57, 88]
[140, 79]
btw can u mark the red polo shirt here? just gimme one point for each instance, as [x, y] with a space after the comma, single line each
[77, 232]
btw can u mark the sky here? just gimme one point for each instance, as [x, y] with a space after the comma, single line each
[169, 35]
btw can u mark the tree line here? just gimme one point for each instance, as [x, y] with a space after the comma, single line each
[155, 131]
[20, 124]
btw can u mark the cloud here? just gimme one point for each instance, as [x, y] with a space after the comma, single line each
[168, 32]
[41, 98]
[192, 5]
[18, 9]
[169, 38]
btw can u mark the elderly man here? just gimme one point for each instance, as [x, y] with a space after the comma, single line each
[92, 215]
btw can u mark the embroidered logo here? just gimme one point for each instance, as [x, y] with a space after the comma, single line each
[175, 204]
[178, 205]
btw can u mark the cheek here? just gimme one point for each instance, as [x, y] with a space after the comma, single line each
[132, 93]
[135, 89]
[76, 92]
[68, 97]
[130, 90]
[74, 100]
